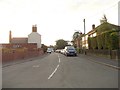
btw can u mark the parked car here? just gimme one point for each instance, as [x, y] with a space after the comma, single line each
[62, 51]
[70, 51]
[58, 51]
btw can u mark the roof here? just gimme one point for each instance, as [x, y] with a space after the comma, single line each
[91, 32]
[19, 40]
[104, 27]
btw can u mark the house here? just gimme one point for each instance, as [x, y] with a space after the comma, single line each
[33, 37]
[19, 40]
[91, 33]
[97, 31]
[15, 40]
[84, 41]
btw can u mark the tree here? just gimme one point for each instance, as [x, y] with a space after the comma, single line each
[44, 47]
[77, 38]
[76, 35]
[60, 44]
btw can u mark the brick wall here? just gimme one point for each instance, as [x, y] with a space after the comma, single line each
[111, 54]
[12, 52]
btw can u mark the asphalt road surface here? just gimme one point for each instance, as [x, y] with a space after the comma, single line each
[58, 71]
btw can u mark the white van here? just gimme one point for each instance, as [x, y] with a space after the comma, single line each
[49, 50]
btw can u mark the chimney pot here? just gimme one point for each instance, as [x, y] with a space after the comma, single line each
[34, 28]
[93, 26]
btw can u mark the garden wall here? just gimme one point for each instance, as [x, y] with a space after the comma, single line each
[111, 54]
[25, 51]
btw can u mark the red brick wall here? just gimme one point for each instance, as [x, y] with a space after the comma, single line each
[25, 51]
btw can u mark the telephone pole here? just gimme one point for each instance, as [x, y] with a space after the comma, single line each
[84, 37]
[119, 31]
[84, 25]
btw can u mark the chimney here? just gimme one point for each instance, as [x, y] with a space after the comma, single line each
[10, 36]
[34, 28]
[93, 26]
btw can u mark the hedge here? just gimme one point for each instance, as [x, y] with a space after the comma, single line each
[106, 40]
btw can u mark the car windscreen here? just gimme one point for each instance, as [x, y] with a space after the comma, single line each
[71, 49]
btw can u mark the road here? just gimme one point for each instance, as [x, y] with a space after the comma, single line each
[58, 71]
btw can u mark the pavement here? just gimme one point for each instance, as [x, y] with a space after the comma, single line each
[102, 60]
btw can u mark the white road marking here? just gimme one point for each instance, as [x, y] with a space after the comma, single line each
[51, 75]
[59, 58]
[36, 66]
[53, 72]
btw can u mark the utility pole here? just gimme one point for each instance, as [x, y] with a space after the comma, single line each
[119, 32]
[119, 21]
[84, 37]
[84, 25]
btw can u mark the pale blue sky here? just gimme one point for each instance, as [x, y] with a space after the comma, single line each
[55, 19]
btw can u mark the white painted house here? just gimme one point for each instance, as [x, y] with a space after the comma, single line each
[85, 42]
[92, 33]
[35, 37]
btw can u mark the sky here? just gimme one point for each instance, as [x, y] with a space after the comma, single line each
[55, 19]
